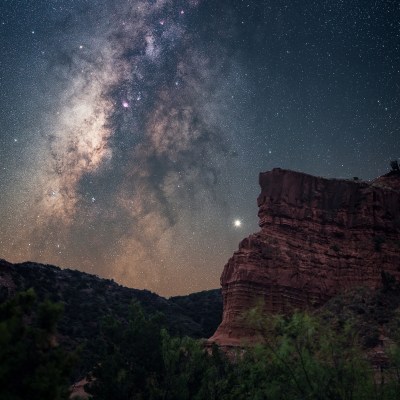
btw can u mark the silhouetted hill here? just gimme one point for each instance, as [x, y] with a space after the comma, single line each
[204, 308]
[88, 299]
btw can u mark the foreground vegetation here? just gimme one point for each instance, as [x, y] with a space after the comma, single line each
[32, 365]
[87, 300]
[301, 357]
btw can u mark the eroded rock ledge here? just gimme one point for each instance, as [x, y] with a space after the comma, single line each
[318, 237]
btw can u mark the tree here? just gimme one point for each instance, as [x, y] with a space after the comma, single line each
[131, 361]
[193, 373]
[142, 361]
[394, 165]
[32, 365]
[301, 357]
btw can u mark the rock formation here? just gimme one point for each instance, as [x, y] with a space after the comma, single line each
[318, 237]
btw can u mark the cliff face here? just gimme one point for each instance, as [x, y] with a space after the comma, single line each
[318, 237]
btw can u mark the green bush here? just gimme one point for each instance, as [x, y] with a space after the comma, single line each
[299, 357]
[32, 365]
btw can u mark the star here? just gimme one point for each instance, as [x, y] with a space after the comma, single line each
[237, 223]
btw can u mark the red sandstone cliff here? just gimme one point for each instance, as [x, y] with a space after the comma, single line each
[318, 237]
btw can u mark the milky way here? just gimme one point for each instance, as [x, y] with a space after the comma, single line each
[133, 132]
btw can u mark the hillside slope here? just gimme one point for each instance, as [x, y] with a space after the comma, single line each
[88, 299]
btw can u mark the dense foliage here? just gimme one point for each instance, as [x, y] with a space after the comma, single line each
[300, 357]
[88, 299]
[32, 365]
[303, 357]
[134, 352]
[143, 361]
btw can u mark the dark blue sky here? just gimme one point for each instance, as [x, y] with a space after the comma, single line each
[133, 132]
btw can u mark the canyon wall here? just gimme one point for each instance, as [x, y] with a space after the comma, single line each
[318, 237]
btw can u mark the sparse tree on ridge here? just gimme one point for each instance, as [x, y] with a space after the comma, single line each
[394, 165]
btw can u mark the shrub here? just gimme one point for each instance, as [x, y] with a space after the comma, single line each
[32, 365]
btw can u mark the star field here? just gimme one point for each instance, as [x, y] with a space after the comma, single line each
[133, 132]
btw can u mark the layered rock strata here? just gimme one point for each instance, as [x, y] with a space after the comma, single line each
[318, 237]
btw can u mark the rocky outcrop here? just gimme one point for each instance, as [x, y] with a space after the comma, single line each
[318, 237]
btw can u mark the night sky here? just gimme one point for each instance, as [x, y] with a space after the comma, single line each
[132, 132]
